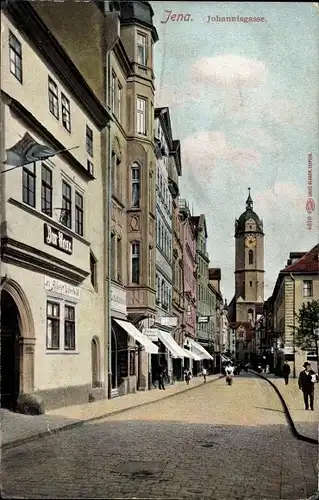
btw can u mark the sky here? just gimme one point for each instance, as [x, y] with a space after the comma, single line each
[243, 100]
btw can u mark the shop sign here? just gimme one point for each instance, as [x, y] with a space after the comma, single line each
[57, 239]
[118, 300]
[151, 334]
[52, 285]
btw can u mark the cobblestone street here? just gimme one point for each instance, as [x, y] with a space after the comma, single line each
[213, 442]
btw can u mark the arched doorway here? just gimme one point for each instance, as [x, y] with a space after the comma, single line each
[95, 360]
[10, 352]
[17, 344]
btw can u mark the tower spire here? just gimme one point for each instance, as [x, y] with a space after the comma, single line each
[249, 201]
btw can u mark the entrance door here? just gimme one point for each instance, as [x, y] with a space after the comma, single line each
[10, 355]
[114, 360]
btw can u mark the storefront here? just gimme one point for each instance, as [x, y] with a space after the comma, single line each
[130, 349]
[202, 356]
[170, 354]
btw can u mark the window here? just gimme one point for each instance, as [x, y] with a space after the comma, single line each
[158, 289]
[250, 257]
[53, 98]
[93, 266]
[46, 190]
[79, 213]
[89, 141]
[135, 263]
[141, 49]
[15, 54]
[113, 83]
[69, 328]
[250, 283]
[119, 100]
[113, 256]
[66, 113]
[53, 326]
[135, 185]
[307, 288]
[141, 116]
[119, 259]
[90, 167]
[66, 218]
[28, 184]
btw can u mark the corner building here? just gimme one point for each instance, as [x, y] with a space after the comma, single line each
[52, 238]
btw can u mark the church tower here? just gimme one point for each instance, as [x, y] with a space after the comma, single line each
[249, 264]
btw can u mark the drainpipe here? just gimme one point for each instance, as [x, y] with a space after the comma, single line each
[294, 327]
[108, 207]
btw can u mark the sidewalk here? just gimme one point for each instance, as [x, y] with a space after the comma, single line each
[306, 422]
[17, 428]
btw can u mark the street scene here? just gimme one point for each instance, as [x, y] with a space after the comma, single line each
[159, 250]
[212, 442]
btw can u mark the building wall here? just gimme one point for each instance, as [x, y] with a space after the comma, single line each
[190, 285]
[140, 153]
[178, 284]
[23, 225]
[203, 297]
[164, 236]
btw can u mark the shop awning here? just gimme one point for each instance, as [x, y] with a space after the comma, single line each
[172, 346]
[192, 355]
[131, 330]
[199, 350]
[224, 358]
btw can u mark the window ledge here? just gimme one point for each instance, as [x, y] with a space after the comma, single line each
[53, 351]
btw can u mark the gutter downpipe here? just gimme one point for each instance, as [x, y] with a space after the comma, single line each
[294, 327]
[109, 219]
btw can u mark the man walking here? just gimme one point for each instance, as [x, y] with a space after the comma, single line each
[204, 375]
[286, 372]
[161, 375]
[306, 381]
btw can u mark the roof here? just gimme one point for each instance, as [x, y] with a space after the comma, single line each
[307, 264]
[163, 115]
[214, 273]
[199, 223]
[248, 214]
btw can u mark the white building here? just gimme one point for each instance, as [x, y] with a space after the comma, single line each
[52, 223]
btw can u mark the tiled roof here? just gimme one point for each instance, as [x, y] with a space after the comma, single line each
[308, 263]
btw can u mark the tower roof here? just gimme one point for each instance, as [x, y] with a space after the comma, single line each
[248, 214]
[140, 12]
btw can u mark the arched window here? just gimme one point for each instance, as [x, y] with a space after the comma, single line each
[250, 257]
[136, 188]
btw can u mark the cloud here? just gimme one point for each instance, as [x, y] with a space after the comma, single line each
[201, 151]
[261, 138]
[176, 96]
[228, 71]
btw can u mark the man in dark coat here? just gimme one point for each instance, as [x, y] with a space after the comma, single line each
[306, 382]
[161, 376]
[286, 372]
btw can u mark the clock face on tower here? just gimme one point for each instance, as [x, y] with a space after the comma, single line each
[250, 242]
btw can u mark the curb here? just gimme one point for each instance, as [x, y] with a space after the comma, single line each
[289, 419]
[79, 423]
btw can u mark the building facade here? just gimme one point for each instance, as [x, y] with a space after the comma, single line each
[296, 284]
[189, 270]
[52, 238]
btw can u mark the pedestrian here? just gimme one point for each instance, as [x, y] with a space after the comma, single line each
[306, 381]
[229, 374]
[187, 375]
[204, 375]
[286, 372]
[161, 375]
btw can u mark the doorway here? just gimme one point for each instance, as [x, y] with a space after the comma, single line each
[95, 361]
[10, 352]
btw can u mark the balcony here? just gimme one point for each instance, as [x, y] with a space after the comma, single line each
[183, 208]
